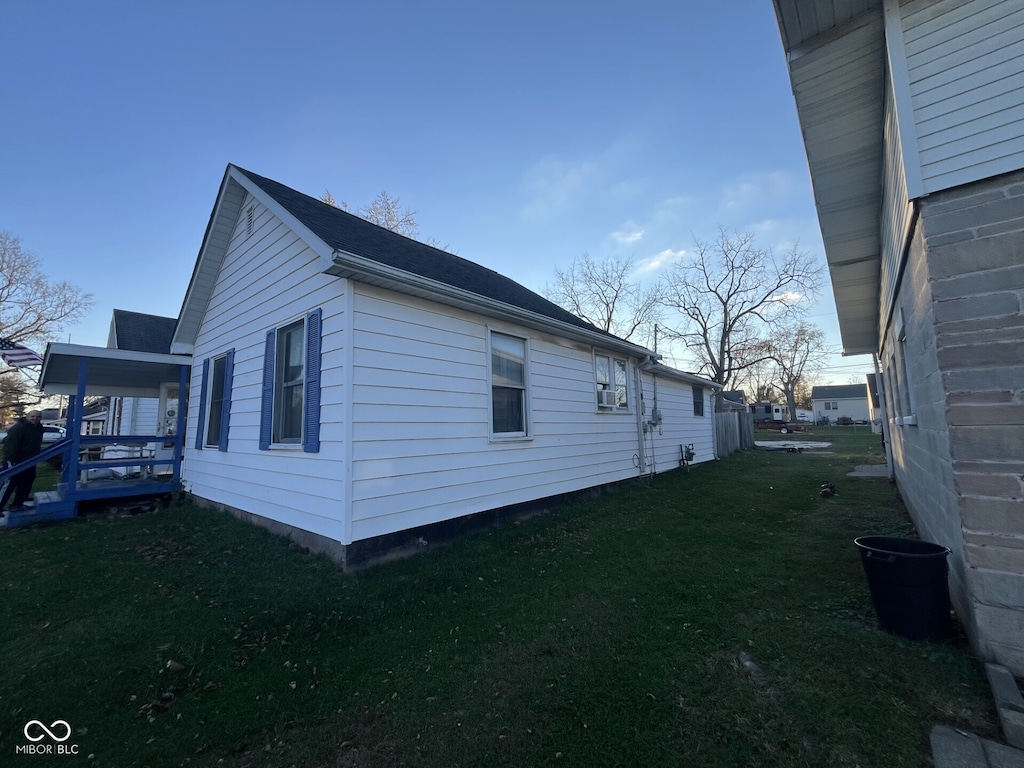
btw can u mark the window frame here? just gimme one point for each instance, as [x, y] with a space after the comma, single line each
[526, 432]
[223, 416]
[694, 389]
[284, 385]
[308, 385]
[213, 397]
[616, 365]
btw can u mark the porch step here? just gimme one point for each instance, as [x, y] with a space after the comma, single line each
[49, 506]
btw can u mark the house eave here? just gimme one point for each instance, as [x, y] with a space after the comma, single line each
[836, 56]
[355, 267]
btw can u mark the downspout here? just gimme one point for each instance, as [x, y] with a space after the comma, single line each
[640, 409]
[879, 384]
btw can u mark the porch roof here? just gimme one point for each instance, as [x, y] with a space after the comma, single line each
[117, 372]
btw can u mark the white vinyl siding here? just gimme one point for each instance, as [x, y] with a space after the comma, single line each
[268, 279]
[422, 448]
[966, 69]
[678, 427]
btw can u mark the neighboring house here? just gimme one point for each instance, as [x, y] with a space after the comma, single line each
[95, 423]
[840, 401]
[157, 416]
[733, 400]
[140, 332]
[912, 115]
[349, 383]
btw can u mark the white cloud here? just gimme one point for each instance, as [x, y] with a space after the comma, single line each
[628, 234]
[659, 260]
[756, 190]
[552, 184]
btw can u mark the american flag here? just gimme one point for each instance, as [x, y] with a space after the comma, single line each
[17, 355]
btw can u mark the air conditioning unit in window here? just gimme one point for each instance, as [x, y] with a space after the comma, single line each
[607, 398]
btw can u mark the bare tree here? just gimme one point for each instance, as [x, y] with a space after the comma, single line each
[605, 294]
[799, 351]
[385, 211]
[730, 294]
[33, 311]
[757, 381]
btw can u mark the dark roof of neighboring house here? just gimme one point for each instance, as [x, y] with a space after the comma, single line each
[343, 231]
[139, 332]
[735, 396]
[840, 392]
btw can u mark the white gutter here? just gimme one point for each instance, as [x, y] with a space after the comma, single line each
[351, 265]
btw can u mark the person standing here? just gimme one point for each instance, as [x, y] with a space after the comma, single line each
[24, 440]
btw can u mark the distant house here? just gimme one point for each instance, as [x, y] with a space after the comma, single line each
[842, 401]
[140, 332]
[911, 114]
[350, 385]
[733, 400]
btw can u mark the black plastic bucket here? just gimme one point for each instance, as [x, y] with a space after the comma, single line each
[907, 579]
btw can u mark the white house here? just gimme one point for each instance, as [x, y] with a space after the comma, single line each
[841, 401]
[140, 332]
[350, 384]
[912, 114]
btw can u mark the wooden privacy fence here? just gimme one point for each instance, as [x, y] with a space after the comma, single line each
[734, 431]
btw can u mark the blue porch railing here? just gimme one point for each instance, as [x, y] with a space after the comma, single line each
[79, 457]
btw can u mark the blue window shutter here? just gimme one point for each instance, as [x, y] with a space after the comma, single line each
[267, 406]
[225, 412]
[311, 427]
[201, 426]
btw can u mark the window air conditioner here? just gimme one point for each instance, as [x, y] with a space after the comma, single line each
[607, 398]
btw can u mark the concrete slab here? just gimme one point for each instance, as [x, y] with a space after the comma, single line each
[953, 748]
[1009, 703]
[870, 470]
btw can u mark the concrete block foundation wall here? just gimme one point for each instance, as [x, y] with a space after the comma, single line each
[961, 467]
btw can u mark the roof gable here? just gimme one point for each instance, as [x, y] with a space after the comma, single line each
[139, 332]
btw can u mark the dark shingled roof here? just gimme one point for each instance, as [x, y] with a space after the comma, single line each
[840, 392]
[138, 332]
[346, 232]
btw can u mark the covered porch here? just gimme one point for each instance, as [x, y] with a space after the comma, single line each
[142, 464]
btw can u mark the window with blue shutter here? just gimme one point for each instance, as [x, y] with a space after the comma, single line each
[215, 402]
[201, 425]
[290, 408]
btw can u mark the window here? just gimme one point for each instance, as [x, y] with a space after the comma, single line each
[698, 399]
[290, 412]
[831, 405]
[508, 386]
[289, 383]
[215, 402]
[610, 374]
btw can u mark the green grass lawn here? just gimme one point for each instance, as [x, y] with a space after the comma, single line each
[604, 633]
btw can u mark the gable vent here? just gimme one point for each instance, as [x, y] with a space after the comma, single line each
[250, 215]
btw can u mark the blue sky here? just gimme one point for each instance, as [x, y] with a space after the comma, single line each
[524, 134]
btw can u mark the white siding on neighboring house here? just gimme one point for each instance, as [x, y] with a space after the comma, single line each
[431, 458]
[268, 279]
[133, 416]
[966, 69]
[897, 210]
